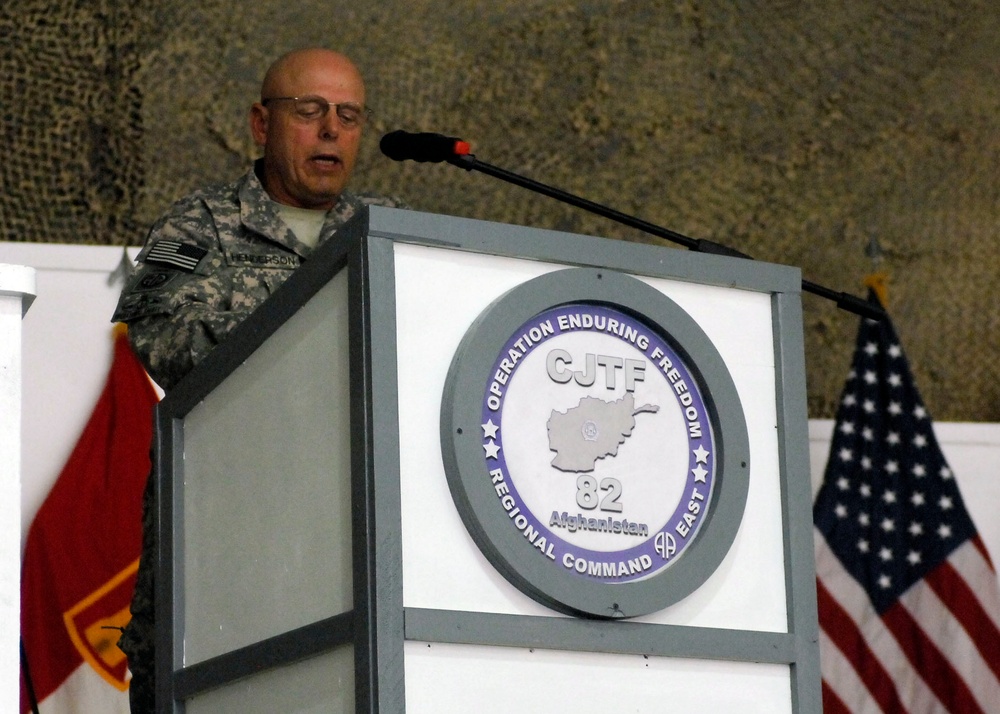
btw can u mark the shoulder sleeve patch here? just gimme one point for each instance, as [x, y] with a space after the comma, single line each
[132, 307]
[154, 280]
[177, 255]
[147, 294]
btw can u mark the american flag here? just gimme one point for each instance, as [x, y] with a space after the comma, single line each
[909, 603]
[176, 255]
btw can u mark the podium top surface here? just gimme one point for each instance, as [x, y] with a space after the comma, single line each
[580, 250]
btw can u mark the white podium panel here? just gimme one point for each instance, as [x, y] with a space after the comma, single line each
[500, 680]
[17, 291]
[443, 568]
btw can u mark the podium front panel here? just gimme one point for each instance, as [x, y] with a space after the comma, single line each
[267, 464]
[442, 566]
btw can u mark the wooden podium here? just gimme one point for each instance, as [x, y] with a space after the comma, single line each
[459, 466]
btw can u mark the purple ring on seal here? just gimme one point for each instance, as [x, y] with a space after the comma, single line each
[663, 547]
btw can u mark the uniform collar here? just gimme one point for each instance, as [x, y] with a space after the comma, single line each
[259, 214]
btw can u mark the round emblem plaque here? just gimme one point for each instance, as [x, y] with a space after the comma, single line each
[594, 444]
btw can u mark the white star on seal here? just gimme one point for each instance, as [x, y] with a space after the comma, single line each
[699, 474]
[700, 455]
[492, 449]
[489, 429]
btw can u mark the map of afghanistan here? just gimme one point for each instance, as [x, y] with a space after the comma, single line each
[592, 430]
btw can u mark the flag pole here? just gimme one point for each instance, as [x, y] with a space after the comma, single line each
[877, 280]
[26, 671]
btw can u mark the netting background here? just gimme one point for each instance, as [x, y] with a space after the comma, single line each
[792, 130]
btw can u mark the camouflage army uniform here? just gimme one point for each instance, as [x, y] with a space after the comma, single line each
[206, 265]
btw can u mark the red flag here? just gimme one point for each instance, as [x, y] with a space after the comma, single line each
[82, 552]
[909, 603]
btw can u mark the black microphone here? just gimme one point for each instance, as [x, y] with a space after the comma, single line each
[424, 147]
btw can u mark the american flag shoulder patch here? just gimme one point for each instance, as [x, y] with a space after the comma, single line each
[172, 253]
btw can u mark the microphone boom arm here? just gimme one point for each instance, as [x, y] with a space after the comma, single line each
[469, 162]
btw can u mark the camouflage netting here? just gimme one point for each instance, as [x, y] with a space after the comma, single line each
[794, 131]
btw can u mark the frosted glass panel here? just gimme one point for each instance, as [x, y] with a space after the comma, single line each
[267, 512]
[321, 685]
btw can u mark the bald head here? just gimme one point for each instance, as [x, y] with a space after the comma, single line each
[309, 151]
[290, 68]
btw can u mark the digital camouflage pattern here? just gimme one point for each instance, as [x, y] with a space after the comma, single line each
[138, 637]
[238, 252]
[206, 265]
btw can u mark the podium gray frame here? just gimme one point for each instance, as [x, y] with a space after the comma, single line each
[378, 625]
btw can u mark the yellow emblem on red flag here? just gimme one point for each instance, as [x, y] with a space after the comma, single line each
[95, 623]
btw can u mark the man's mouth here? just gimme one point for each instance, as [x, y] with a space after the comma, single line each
[326, 160]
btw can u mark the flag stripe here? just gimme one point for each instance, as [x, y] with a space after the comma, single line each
[981, 547]
[938, 623]
[841, 681]
[875, 646]
[172, 260]
[933, 667]
[840, 628]
[832, 704]
[973, 565]
[977, 633]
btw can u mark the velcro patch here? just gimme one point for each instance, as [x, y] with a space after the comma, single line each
[182, 256]
[248, 259]
[155, 280]
[135, 306]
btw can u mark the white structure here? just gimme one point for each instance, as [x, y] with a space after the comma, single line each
[17, 290]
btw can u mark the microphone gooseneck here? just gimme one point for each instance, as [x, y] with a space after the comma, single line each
[429, 147]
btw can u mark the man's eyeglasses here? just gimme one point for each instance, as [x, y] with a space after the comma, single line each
[351, 115]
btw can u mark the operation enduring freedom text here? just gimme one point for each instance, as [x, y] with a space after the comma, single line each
[597, 323]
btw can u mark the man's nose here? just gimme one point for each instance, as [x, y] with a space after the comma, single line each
[329, 127]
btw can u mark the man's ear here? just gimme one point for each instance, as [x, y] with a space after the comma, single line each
[259, 123]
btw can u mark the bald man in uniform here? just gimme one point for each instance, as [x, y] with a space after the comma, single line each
[220, 252]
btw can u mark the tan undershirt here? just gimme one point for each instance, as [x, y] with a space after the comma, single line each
[306, 223]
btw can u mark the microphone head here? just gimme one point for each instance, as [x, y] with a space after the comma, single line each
[424, 147]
